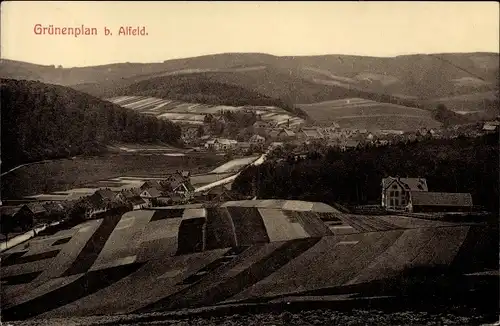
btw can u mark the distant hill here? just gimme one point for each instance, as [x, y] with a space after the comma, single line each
[360, 113]
[42, 121]
[409, 80]
[197, 88]
[189, 113]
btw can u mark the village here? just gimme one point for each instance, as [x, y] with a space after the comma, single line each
[404, 195]
[260, 134]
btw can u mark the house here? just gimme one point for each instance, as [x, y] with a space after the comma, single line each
[96, 204]
[178, 183]
[396, 191]
[306, 134]
[256, 139]
[349, 144]
[219, 194]
[137, 203]
[37, 209]
[490, 127]
[104, 195]
[285, 135]
[260, 126]
[151, 184]
[370, 136]
[424, 201]
[127, 194]
[150, 193]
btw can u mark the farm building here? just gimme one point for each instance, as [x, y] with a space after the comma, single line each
[424, 201]
[395, 191]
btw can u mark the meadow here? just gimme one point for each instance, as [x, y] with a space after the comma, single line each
[367, 114]
[65, 174]
[194, 113]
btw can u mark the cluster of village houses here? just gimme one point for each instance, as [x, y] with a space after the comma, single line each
[175, 189]
[343, 138]
[398, 194]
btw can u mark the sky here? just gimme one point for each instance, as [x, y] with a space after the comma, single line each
[186, 29]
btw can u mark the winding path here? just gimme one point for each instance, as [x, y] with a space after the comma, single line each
[231, 178]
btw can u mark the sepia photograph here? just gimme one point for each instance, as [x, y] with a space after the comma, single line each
[249, 163]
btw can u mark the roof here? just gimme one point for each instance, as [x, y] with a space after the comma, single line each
[312, 133]
[105, 194]
[129, 193]
[388, 131]
[351, 143]
[288, 132]
[274, 133]
[257, 137]
[53, 207]
[424, 198]
[245, 144]
[228, 141]
[136, 200]
[36, 208]
[410, 184]
[260, 123]
[153, 192]
[490, 127]
[151, 184]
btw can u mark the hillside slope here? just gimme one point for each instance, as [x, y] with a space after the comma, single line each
[423, 76]
[42, 121]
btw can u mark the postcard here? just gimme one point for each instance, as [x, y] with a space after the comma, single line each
[249, 163]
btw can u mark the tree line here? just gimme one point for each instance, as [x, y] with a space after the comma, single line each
[43, 121]
[354, 177]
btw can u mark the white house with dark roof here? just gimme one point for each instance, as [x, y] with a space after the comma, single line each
[396, 191]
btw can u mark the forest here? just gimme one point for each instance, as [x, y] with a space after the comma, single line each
[354, 177]
[44, 121]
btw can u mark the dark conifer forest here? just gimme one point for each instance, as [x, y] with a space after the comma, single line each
[354, 177]
[44, 121]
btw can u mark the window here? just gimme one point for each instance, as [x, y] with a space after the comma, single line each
[397, 202]
[394, 187]
[392, 193]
